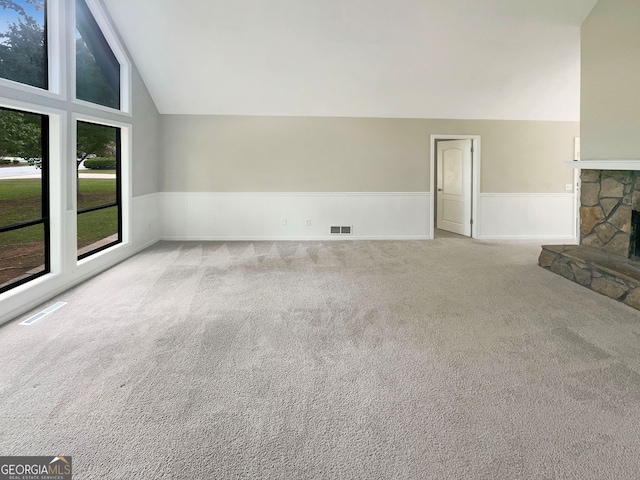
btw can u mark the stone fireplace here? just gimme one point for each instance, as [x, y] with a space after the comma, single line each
[607, 260]
[607, 201]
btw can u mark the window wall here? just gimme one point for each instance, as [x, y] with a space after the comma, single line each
[63, 76]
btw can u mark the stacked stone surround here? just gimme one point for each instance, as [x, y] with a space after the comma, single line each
[602, 260]
[607, 200]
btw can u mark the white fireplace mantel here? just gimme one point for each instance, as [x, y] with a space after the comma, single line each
[604, 164]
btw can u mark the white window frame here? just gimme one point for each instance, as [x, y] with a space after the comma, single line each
[126, 184]
[57, 195]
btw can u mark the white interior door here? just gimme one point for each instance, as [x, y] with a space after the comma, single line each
[453, 196]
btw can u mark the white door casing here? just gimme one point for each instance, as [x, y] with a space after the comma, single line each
[454, 186]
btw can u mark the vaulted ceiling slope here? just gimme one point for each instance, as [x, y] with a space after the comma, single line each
[475, 59]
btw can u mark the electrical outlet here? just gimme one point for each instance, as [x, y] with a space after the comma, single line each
[568, 186]
[283, 222]
[307, 222]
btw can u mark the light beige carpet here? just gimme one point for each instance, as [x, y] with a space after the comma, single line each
[443, 359]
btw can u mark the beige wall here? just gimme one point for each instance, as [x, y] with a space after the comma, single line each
[146, 140]
[610, 107]
[318, 154]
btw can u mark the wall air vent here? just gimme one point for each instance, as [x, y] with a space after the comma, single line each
[34, 318]
[341, 230]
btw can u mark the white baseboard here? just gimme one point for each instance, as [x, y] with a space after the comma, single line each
[528, 216]
[283, 216]
[400, 216]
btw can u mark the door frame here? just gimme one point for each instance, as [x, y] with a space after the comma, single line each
[475, 181]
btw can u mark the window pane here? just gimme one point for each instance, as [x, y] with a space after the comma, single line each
[23, 45]
[24, 210]
[20, 167]
[97, 229]
[98, 187]
[95, 192]
[22, 255]
[97, 69]
[20, 199]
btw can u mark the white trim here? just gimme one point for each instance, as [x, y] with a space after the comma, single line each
[295, 238]
[28, 89]
[475, 187]
[604, 164]
[57, 174]
[527, 195]
[56, 47]
[29, 107]
[126, 171]
[57, 190]
[298, 194]
[567, 239]
[577, 188]
[528, 216]
[259, 216]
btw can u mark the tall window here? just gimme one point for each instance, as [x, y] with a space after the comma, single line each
[24, 197]
[23, 42]
[99, 190]
[97, 68]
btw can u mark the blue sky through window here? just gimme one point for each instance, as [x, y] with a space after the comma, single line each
[9, 16]
[23, 43]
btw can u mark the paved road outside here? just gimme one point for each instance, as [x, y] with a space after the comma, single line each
[18, 171]
[10, 173]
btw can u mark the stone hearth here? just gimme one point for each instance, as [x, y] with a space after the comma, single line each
[606, 259]
[609, 274]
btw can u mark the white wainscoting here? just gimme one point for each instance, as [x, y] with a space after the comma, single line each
[537, 216]
[262, 216]
[146, 221]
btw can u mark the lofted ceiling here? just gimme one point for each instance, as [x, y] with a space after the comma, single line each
[475, 59]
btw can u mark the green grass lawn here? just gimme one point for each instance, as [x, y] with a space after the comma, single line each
[20, 201]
